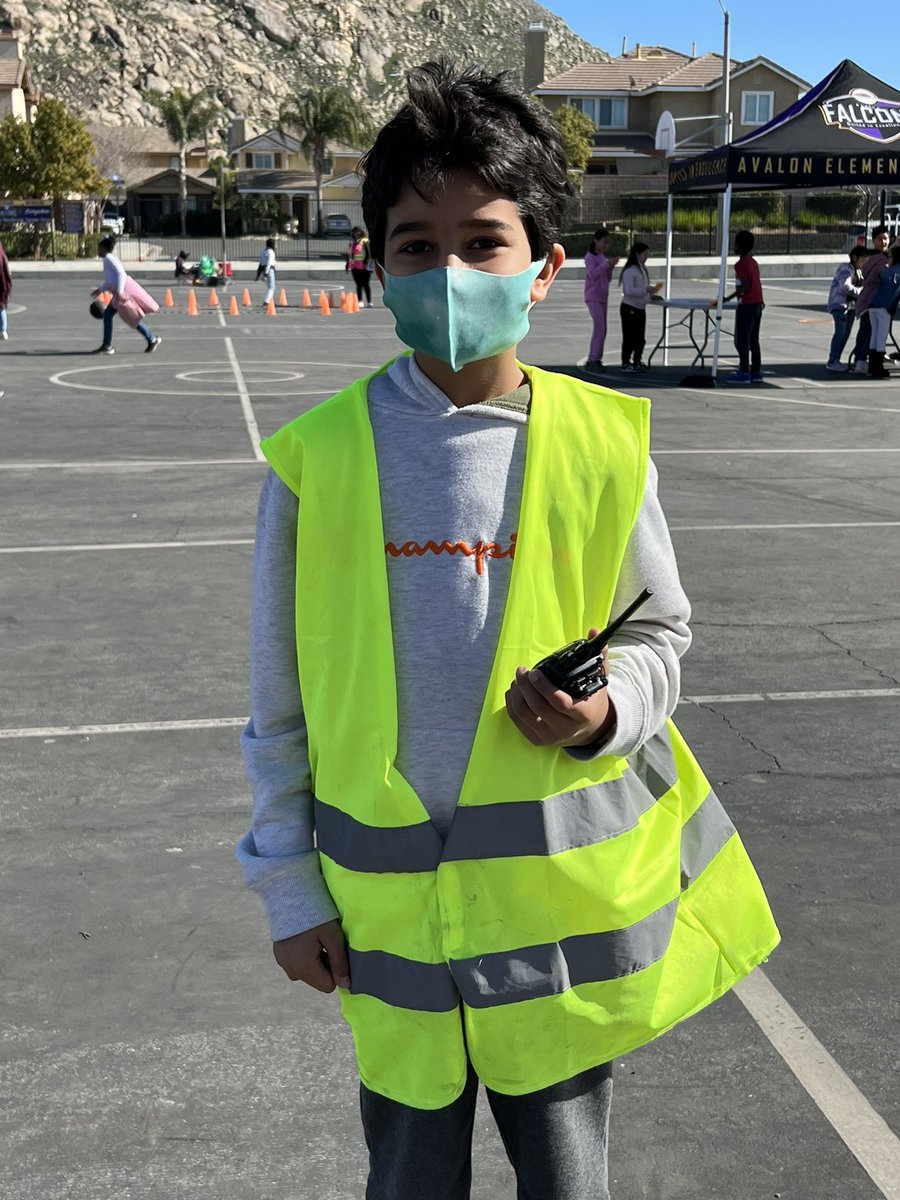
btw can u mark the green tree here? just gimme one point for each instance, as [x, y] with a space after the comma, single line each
[578, 135]
[17, 167]
[186, 118]
[51, 158]
[319, 115]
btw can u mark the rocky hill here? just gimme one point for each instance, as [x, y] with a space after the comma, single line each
[102, 56]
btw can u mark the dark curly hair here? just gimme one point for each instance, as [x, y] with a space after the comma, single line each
[465, 119]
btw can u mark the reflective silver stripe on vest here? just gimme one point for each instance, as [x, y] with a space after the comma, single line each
[402, 982]
[400, 849]
[702, 837]
[582, 817]
[522, 827]
[549, 969]
[654, 764]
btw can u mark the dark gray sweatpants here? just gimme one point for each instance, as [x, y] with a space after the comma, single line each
[556, 1140]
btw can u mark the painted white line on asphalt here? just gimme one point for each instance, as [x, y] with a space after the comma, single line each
[123, 546]
[864, 1132]
[791, 525]
[247, 407]
[129, 464]
[757, 697]
[869, 408]
[55, 731]
[766, 450]
[224, 722]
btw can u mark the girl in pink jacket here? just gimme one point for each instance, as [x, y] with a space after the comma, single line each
[598, 269]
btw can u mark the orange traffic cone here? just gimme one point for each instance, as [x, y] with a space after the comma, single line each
[282, 298]
[354, 303]
[233, 310]
[343, 302]
[307, 303]
[270, 309]
[326, 307]
[245, 299]
[192, 304]
[169, 302]
[213, 298]
[323, 299]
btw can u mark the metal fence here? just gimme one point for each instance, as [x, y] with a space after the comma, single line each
[288, 247]
[781, 222]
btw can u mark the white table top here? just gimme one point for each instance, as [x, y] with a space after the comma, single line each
[681, 303]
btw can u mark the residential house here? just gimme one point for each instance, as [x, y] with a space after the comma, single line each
[274, 164]
[142, 162]
[627, 97]
[18, 93]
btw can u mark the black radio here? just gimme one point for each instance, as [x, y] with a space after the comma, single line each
[577, 669]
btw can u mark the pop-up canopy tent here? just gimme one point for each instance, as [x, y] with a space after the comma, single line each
[845, 131]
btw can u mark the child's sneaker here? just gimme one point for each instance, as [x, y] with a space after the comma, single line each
[640, 366]
[739, 377]
[152, 344]
[756, 376]
[596, 365]
[861, 367]
[627, 367]
[837, 366]
[4, 336]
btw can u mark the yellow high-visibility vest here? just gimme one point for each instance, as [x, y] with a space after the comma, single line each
[575, 910]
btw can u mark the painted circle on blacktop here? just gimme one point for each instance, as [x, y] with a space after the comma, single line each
[251, 375]
[110, 371]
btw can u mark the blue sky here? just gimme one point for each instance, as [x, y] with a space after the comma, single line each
[806, 39]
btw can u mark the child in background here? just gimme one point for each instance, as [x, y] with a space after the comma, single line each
[748, 317]
[5, 291]
[598, 269]
[359, 264]
[267, 262]
[845, 287]
[637, 292]
[884, 300]
[871, 275]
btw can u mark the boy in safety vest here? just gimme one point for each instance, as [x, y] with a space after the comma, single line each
[505, 884]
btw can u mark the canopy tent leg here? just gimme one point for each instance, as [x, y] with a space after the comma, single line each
[667, 292]
[723, 267]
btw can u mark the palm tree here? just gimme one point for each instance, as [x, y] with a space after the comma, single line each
[320, 115]
[186, 119]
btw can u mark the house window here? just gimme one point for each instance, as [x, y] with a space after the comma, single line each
[263, 162]
[756, 107]
[605, 111]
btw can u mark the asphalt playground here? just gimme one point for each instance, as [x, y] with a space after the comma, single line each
[150, 1046]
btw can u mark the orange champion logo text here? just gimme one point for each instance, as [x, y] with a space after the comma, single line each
[479, 551]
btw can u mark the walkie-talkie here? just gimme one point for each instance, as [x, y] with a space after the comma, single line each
[577, 669]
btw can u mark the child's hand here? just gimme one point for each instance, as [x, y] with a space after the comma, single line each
[550, 717]
[317, 957]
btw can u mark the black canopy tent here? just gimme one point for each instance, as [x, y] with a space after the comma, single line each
[843, 132]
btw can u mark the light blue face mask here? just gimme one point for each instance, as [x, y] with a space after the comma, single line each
[460, 314]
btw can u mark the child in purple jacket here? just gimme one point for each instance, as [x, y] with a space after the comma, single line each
[598, 269]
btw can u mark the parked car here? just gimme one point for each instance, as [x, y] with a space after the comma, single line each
[113, 222]
[338, 224]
